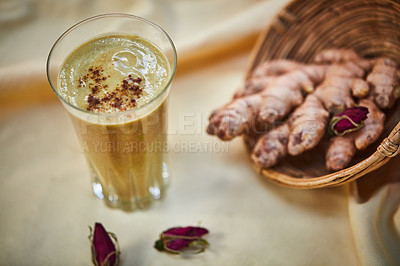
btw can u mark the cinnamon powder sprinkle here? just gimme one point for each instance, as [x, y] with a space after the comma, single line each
[93, 102]
[121, 98]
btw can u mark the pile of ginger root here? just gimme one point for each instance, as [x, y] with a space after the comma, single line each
[286, 108]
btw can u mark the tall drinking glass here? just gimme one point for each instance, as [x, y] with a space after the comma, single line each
[125, 148]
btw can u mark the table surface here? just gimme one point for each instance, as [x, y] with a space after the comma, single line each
[46, 203]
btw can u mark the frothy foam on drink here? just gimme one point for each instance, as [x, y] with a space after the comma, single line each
[113, 74]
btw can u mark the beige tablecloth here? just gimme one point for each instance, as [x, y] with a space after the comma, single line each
[46, 201]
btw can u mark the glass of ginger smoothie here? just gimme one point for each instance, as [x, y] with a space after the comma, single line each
[113, 73]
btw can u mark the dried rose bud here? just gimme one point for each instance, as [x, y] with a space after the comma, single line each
[189, 231]
[105, 249]
[349, 120]
[182, 240]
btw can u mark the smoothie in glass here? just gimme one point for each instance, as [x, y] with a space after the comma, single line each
[115, 87]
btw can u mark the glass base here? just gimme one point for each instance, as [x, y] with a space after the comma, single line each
[112, 200]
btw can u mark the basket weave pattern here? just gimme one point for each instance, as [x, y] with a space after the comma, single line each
[302, 29]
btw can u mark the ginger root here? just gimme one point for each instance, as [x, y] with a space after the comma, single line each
[271, 147]
[385, 81]
[307, 125]
[276, 68]
[297, 100]
[340, 152]
[335, 91]
[264, 75]
[253, 85]
[235, 118]
[359, 88]
[335, 56]
[302, 131]
[273, 103]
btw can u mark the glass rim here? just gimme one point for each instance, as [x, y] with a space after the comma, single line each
[76, 25]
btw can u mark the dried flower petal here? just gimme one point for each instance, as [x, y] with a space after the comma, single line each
[349, 120]
[182, 240]
[105, 250]
[189, 231]
[176, 244]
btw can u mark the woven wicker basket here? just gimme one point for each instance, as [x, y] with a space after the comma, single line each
[298, 32]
